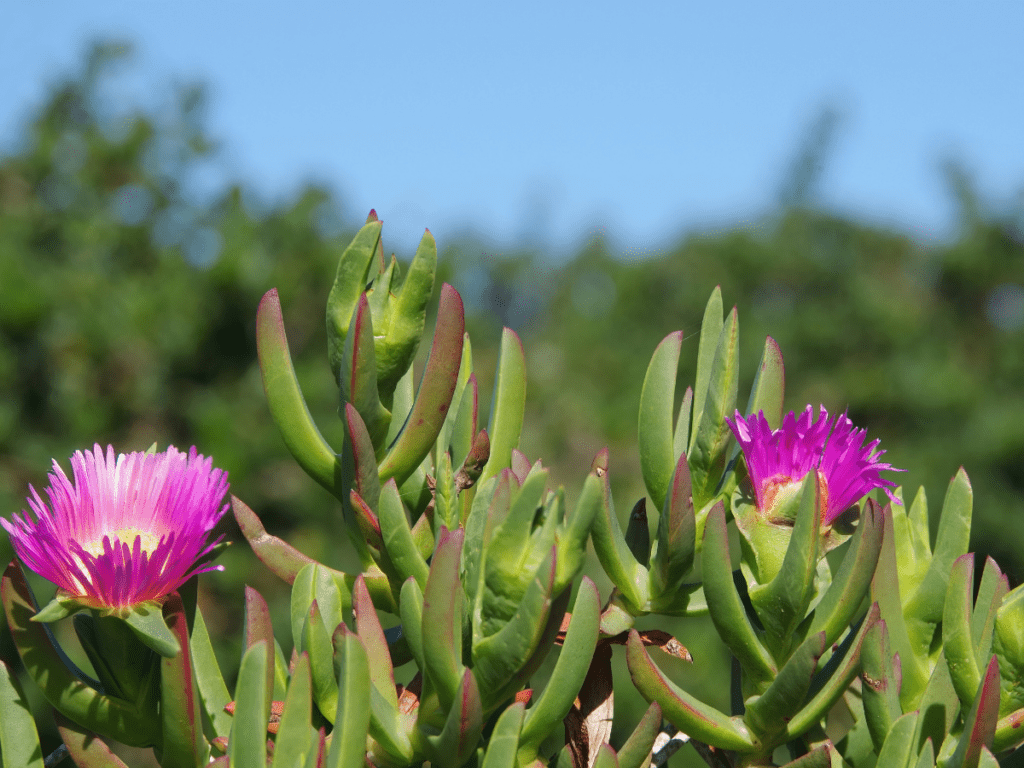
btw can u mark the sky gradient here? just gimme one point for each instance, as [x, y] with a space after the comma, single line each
[545, 123]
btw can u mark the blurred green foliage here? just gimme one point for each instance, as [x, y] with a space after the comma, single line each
[127, 315]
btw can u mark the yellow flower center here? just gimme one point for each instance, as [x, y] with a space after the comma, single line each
[150, 540]
[783, 485]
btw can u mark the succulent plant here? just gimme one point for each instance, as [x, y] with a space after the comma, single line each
[855, 640]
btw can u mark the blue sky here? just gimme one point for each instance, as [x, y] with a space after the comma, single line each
[551, 121]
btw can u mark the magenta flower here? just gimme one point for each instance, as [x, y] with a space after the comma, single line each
[126, 530]
[777, 459]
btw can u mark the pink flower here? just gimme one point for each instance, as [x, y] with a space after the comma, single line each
[126, 530]
[777, 459]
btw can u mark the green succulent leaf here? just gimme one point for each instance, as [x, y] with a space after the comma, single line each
[503, 744]
[382, 674]
[360, 461]
[885, 590]
[350, 281]
[247, 745]
[358, 385]
[573, 534]
[125, 667]
[710, 332]
[398, 539]
[458, 740]
[980, 723]
[618, 562]
[442, 614]
[352, 717]
[677, 537]
[63, 684]
[956, 631]
[316, 641]
[258, 629]
[880, 684]
[399, 337]
[284, 398]
[328, 588]
[295, 732]
[852, 581]
[508, 404]
[411, 605]
[1008, 645]
[498, 657]
[924, 607]
[836, 685]
[636, 751]
[460, 424]
[993, 588]
[711, 434]
[657, 401]
[146, 620]
[768, 393]
[183, 744]
[768, 714]
[435, 393]
[212, 689]
[555, 701]
[19, 739]
[938, 705]
[782, 603]
[638, 533]
[726, 606]
[283, 560]
[401, 405]
[689, 715]
[85, 749]
[898, 749]
[913, 541]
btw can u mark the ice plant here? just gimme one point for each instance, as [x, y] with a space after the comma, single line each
[127, 529]
[779, 459]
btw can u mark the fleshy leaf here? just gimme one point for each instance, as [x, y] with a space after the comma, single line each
[352, 719]
[726, 606]
[85, 749]
[768, 392]
[508, 404]
[710, 331]
[629, 577]
[688, 714]
[880, 684]
[353, 273]
[503, 743]
[293, 742]
[285, 400]
[211, 684]
[924, 607]
[358, 384]
[711, 434]
[435, 393]
[768, 714]
[657, 401]
[554, 702]
[147, 622]
[247, 745]
[60, 681]
[677, 532]
[19, 739]
[283, 560]
[183, 744]
[442, 619]
[636, 751]
[458, 740]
